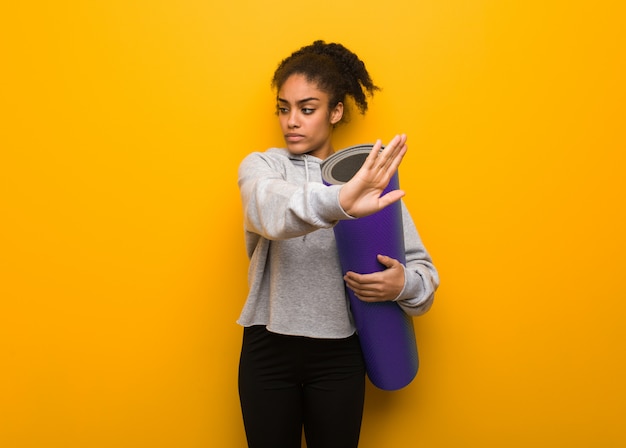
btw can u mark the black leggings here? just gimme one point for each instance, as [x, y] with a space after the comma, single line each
[287, 382]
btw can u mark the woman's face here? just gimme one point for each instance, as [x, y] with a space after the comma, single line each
[305, 118]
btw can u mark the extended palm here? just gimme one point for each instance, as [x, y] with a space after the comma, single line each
[361, 195]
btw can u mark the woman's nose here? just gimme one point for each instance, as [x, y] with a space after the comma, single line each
[292, 122]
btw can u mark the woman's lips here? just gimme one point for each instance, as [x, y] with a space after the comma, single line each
[294, 138]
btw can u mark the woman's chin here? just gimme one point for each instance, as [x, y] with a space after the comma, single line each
[297, 149]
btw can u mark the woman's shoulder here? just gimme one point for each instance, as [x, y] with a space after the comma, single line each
[278, 154]
[273, 159]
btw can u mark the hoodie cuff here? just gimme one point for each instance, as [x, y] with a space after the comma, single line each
[328, 204]
[411, 285]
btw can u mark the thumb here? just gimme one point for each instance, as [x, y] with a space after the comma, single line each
[386, 261]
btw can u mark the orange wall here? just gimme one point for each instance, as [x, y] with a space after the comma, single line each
[123, 266]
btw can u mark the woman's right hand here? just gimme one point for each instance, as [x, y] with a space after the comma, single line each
[361, 195]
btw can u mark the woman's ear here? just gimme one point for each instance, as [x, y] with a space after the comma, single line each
[336, 114]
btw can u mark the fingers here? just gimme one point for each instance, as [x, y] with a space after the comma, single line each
[373, 155]
[390, 198]
[391, 156]
[388, 158]
[397, 148]
[365, 286]
[386, 261]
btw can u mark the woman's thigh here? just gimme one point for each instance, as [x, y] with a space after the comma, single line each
[269, 390]
[334, 393]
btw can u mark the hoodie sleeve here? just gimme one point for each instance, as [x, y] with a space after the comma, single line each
[421, 276]
[277, 205]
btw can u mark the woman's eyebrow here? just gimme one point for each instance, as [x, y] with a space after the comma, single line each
[303, 101]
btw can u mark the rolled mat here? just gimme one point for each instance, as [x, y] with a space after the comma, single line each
[385, 331]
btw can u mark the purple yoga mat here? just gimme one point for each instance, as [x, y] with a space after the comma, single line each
[386, 332]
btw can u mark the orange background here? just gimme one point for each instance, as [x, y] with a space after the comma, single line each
[123, 265]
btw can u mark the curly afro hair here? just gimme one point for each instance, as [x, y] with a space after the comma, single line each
[335, 69]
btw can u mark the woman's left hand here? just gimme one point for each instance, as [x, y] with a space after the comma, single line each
[378, 286]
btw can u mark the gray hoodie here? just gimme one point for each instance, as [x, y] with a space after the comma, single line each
[295, 280]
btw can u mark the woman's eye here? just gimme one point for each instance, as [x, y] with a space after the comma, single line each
[307, 111]
[282, 110]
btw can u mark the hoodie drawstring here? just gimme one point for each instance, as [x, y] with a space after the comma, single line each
[306, 167]
[306, 178]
